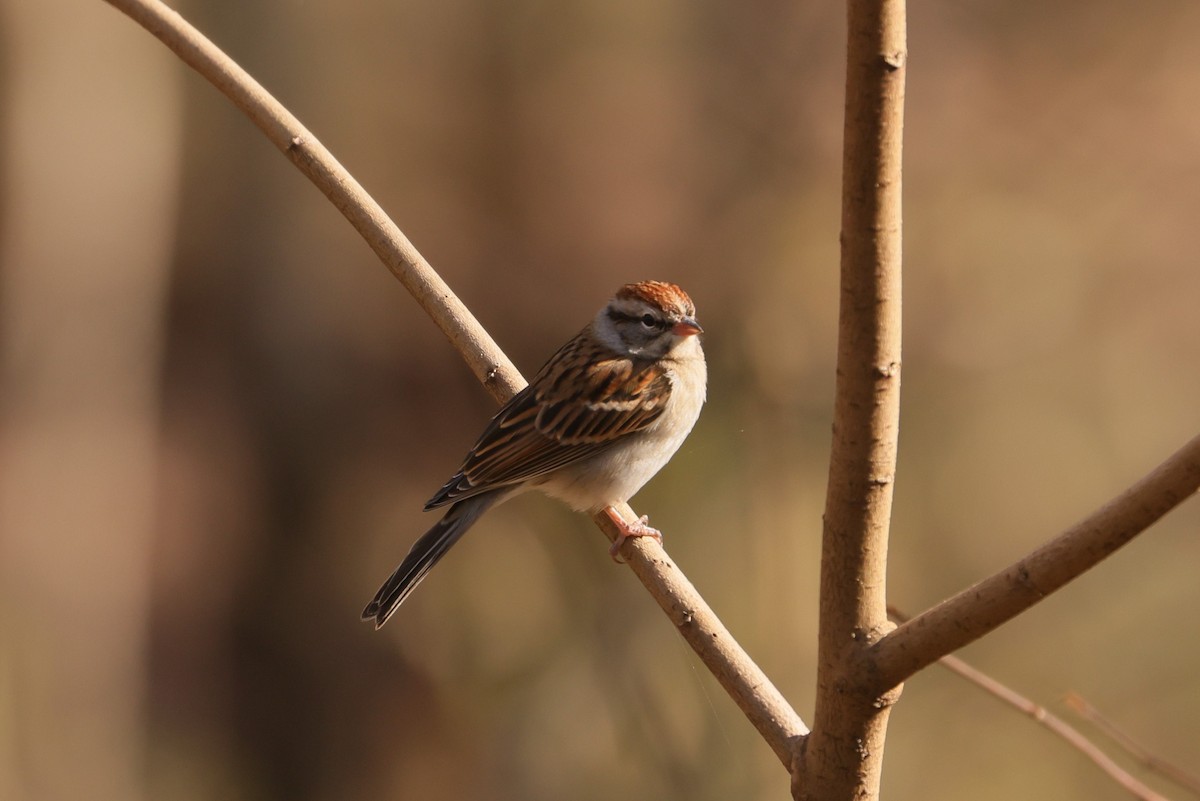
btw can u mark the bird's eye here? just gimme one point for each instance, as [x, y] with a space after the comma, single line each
[648, 321]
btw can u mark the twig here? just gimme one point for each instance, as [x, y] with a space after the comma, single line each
[1046, 718]
[1043, 717]
[1168, 770]
[749, 687]
[844, 756]
[977, 610]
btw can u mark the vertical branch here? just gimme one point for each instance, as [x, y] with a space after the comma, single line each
[843, 755]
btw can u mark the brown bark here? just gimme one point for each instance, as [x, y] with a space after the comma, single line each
[842, 758]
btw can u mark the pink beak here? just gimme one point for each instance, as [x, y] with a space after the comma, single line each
[686, 328]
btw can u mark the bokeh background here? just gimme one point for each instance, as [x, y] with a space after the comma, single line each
[220, 416]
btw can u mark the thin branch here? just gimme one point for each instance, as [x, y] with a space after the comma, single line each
[1187, 781]
[979, 609]
[749, 687]
[843, 757]
[1043, 717]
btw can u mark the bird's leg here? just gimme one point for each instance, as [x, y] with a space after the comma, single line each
[640, 528]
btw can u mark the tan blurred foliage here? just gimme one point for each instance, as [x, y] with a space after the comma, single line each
[219, 417]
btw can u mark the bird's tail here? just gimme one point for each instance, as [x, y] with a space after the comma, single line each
[424, 554]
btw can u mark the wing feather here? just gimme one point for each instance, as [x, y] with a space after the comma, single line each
[565, 415]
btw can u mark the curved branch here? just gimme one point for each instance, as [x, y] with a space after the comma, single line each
[281, 127]
[749, 687]
[977, 610]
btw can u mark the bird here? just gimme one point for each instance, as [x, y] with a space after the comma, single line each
[605, 413]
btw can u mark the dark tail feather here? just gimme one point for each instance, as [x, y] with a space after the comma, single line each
[423, 555]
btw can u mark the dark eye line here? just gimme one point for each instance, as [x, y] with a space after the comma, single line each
[633, 318]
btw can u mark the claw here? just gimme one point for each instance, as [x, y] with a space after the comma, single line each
[639, 529]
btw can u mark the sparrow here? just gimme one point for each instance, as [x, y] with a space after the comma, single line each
[599, 420]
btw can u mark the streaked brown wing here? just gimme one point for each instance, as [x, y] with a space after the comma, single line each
[557, 420]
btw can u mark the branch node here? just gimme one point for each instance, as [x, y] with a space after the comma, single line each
[889, 370]
[889, 698]
[1025, 579]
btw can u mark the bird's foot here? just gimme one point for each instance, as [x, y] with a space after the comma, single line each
[641, 528]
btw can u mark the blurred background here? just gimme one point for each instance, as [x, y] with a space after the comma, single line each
[220, 415]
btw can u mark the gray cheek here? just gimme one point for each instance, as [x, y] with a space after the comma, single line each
[656, 345]
[644, 344]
